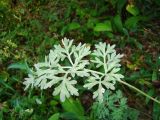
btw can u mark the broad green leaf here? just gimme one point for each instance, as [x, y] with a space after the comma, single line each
[118, 23]
[54, 116]
[109, 34]
[73, 106]
[53, 103]
[156, 111]
[73, 26]
[20, 65]
[69, 116]
[132, 9]
[91, 22]
[154, 75]
[131, 22]
[120, 4]
[100, 27]
[70, 27]
[4, 76]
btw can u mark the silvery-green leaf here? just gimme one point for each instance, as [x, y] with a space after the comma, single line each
[67, 43]
[71, 88]
[97, 53]
[91, 84]
[96, 76]
[75, 55]
[51, 83]
[110, 49]
[29, 81]
[79, 46]
[99, 93]
[60, 52]
[108, 85]
[40, 65]
[64, 93]
[39, 80]
[98, 62]
[66, 88]
[42, 84]
[95, 94]
[118, 76]
[101, 46]
[115, 70]
[82, 65]
[57, 90]
[82, 73]
[53, 58]
[56, 71]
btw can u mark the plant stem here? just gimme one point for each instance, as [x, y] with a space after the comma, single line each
[104, 63]
[69, 58]
[138, 90]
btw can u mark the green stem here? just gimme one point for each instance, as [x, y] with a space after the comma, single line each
[136, 89]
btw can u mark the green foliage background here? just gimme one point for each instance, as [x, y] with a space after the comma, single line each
[30, 28]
